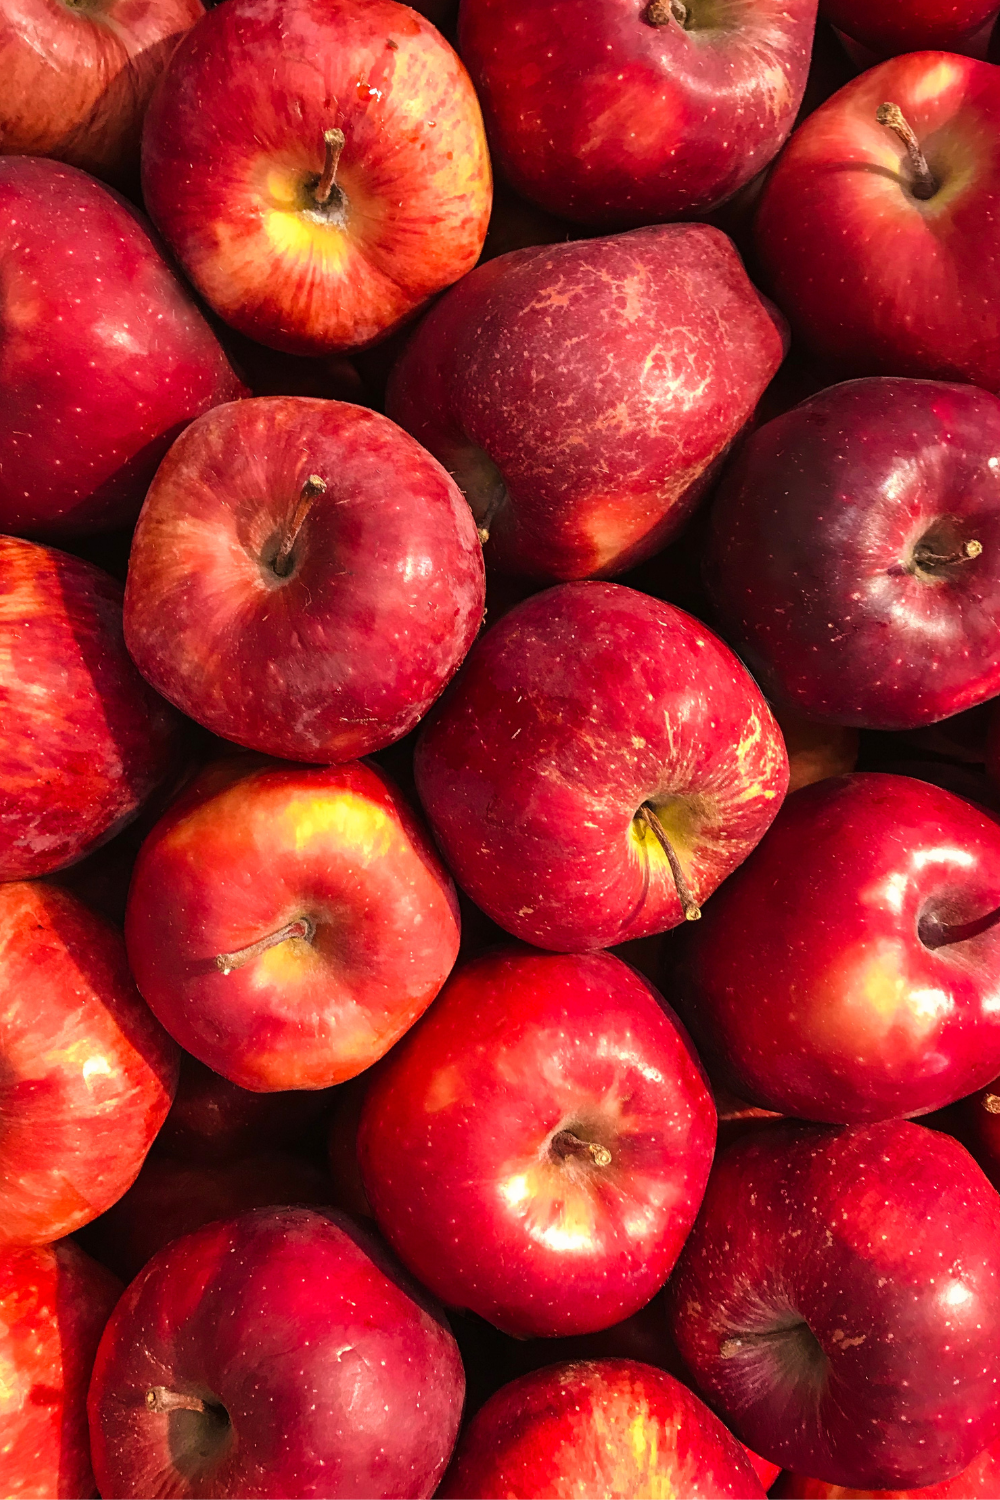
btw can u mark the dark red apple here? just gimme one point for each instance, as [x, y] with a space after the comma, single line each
[889, 27]
[281, 1353]
[606, 120]
[583, 394]
[213, 1121]
[980, 1481]
[978, 1127]
[838, 1301]
[863, 934]
[318, 166]
[304, 578]
[104, 356]
[601, 764]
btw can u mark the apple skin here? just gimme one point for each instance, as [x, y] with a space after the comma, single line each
[338, 1376]
[585, 703]
[835, 936]
[213, 1121]
[54, 1303]
[610, 1427]
[837, 1301]
[88, 1073]
[892, 27]
[251, 847]
[78, 76]
[346, 651]
[233, 148]
[606, 122]
[873, 280]
[815, 560]
[465, 1178]
[84, 741]
[652, 350]
[980, 1481]
[104, 356]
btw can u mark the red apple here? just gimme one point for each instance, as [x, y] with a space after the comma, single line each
[78, 75]
[321, 209]
[837, 1301]
[304, 578]
[608, 122]
[889, 27]
[885, 264]
[54, 1303]
[288, 923]
[601, 764]
[104, 356]
[213, 1121]
[980, 1481]
[583, 394]
[281, 1353]
[87, 1075]
[610, 1427]
[83, 740]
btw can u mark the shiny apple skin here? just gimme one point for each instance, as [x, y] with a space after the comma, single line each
[213, 1121]
[601, 117]
[456, 1154]
[817, 940]
[384, 598]
[88, 1074]
[980, 1481]
[77, 77]
[83, 740]
[891, 27]
[881, 1244]
[610, 1427]
[873, 280]
[104, 356]
[249, 848]
[580, 705]
[339, 1376]
[233, 145]
[652, 350]
[812, 565]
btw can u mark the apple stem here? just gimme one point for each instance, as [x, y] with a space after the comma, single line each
[991, 1104]
[282, 561]
[891, 115]
[159, 1399]
[662, 12]
[565, 1143]
[689, 906]
[925, 557]
[300, 928]
[334, 141]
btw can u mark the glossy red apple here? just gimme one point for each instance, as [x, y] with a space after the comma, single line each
[601, 764]
[611, 1427]
[304, 578]
[837, 1301]
[854, 561]
[886, 264]
[281, 1353]
[104, 356]
[288, 923]
[606, 122]
[864, 934]
[83, 739]
[54, 1303]
[890, 27]
[88, 1074]
[582, 393]
[536, 1150]
[78, 75]
[980, 1481]
[213, 1121]
[320, 209]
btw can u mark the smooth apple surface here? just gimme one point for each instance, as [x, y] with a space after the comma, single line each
[863, 933]
[319, 210]
[606, 122]
[104, 356]
[854, 559]
[559, 1208]
[54, 1303]
[891, 27]
[611, 1427]
[980, 1481]
[586, 709]
[88, 1074]
[212, 1121]
[304, 578]
[875, 279]
[288, 923]
[83, 739]
[281, 1353]
[583, 394]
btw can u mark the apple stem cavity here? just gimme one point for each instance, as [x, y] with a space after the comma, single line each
[159, 1399]
[923, 185]
[565, 1144]
[282, 564]
[302, 927]
[689, 906]
[662, 12]
[334, 141]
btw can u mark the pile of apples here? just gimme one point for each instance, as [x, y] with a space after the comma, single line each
[499, 749]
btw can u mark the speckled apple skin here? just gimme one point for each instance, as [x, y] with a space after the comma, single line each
[980, 1481]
